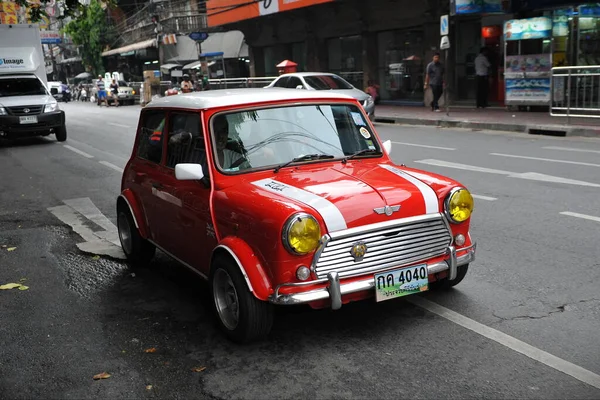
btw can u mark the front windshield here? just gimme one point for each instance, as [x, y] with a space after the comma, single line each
[327, 82]
[21, 87]
[250, 140]
[122, 83]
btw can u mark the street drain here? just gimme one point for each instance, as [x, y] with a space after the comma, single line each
[547, 132]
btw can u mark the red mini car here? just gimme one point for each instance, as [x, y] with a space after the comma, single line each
[281, 198]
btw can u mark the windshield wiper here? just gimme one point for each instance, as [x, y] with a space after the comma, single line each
[360, 152]
[306, 157]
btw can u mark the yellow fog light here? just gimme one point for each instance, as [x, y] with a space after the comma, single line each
[301, 234]
[133, 92]
[459, 205]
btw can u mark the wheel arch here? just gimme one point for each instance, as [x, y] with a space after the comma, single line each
[127, 199]
[240, 253]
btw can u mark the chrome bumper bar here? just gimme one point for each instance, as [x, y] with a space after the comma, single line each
[334, 291]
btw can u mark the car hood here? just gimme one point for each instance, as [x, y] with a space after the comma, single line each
[354, 194]
[36, 100]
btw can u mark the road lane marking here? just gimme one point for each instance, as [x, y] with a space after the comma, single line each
[425, 146]
[570, 149]
[76, 213]
[534, 176]
[564, 366]
[119, 125]
[546, 159]
[111, 165]
[448, 164]
[480, 197]
[81, 153]
[577, 215]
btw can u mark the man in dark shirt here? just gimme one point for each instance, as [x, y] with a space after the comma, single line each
[435, 78]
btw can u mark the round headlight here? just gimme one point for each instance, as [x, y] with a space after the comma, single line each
[459, 205]
[301, 234]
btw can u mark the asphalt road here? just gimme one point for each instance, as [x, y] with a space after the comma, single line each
[523, 324]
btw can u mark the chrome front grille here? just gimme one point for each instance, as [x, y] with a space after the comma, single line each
[25, 110]
[390, 244]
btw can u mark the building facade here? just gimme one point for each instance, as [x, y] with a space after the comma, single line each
[389, 41]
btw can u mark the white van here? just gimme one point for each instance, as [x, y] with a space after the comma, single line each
[26, 106]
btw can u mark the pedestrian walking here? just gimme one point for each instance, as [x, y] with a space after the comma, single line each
[434, 77]
[101, 91]
[482, 70]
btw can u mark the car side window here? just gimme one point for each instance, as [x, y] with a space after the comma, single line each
[281, 82]
[150, 142]
[293, 82]
[186, 140]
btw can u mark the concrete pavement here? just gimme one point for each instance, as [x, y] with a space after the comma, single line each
[534, 281]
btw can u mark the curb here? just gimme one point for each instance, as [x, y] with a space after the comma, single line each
[534, 129]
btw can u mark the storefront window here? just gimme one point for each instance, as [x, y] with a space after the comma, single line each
[345, 58]
[401, 65]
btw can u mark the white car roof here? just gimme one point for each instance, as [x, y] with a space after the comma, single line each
[239, 97]
[309, 74]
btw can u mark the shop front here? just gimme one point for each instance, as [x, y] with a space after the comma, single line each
[401, 65]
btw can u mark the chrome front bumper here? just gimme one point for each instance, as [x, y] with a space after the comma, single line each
[335, 290]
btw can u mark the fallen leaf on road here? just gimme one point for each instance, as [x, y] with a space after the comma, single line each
[9, 286]
[11, 249]
[23, 287]
[3, 246]
[96, 258]
[198, 369]
[150, 350]
[149, 387]
[102, 375]
[22, 279]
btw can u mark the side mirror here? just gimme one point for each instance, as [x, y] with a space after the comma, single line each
[299, 87]
[387, 146]
[188, 172]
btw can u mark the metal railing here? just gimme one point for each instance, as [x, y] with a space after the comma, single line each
[575, 92]
[232, 83]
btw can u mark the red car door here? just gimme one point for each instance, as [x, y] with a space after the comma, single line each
[189, 233]
[144, 172]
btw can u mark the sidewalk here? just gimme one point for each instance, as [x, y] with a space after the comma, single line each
[498, 119]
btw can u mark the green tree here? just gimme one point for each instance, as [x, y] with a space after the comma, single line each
[91, 33]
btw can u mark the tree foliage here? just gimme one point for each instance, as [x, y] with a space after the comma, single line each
[91, 33]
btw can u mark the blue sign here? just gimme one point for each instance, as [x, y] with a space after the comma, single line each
[478, 6]
[50, 40]
[198, 36]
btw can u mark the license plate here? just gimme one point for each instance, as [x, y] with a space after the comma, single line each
[32, 119]
[401, 282]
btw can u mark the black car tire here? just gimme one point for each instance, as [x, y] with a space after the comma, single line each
[446, 284]
[139, 251]
[61, 134]
[255, 317]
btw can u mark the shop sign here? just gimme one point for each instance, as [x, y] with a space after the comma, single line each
[531, 28]
[531, 64]
[222, 12]
[50, 37]
[589, 10]
[560, 22]
[536, 90]
[477, 6]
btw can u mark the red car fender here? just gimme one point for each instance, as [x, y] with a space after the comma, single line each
[128, 197]
[249, 265]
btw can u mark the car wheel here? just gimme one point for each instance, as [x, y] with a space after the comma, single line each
[139, 251]
[446, 284]
[61, 134]
[241, 316]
